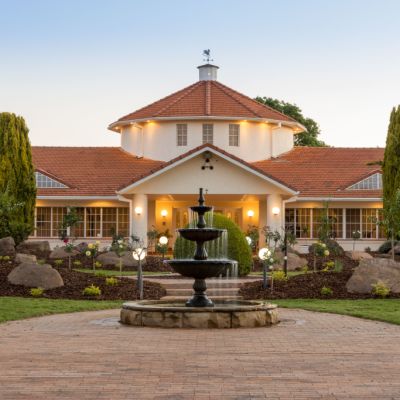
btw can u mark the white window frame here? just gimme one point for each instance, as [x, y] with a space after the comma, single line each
[208, 133]
[234, 135]
[372, 182]
[181, 135]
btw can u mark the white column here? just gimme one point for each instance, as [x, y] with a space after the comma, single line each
[139, 221]
[274, 221]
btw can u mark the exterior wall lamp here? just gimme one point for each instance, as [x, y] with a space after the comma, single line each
[164, 213]
[138, 210]
[276, 210]
[250, 213]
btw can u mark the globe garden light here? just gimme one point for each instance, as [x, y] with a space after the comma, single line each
[249, 241]
[163, 240]
[264, 253]
[138, 210]
[139, 254]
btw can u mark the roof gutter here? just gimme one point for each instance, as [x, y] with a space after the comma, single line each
[293, 124]
[339, 199]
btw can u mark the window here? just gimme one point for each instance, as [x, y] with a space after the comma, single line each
[353, 221]
[373, 182]
[298, 221]
[93, 221]
[368, 223]
[43, 181]
[208, 133]
[181, 134]
[43, 221]
[58, 217]
[335, 216]
[234, 135]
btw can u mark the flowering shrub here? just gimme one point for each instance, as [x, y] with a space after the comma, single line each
[356, 235]
[380, 289]
[279, 276]
[326, 291]
[119, 246]
[91, 251]
[92, 291]
[36, 292]
[111, 281]
[320, 249]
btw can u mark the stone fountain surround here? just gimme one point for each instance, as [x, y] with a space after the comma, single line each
[225, 314]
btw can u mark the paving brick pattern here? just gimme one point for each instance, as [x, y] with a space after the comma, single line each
[90, 356]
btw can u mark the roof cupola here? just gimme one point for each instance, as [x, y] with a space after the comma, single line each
[208, 72]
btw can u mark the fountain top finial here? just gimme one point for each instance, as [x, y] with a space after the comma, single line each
[201, 197]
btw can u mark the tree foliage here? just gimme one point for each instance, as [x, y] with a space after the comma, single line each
[17, 177]
[308, 138]
[391, 160]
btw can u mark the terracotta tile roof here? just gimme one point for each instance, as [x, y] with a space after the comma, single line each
[89, 171]
[206, 98]
[102, 171]
[325, 171]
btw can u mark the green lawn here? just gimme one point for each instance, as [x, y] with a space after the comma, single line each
[13, 308]
[108, 272]
[290, 273]
[387, 310]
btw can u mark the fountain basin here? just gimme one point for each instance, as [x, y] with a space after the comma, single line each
[224, 315]
[204, 234]
[200, 269]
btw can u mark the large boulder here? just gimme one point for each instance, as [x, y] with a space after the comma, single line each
[295, 262]
[358, 255]
[372, 271]
[60, 252]
[34, 275]
[36, 247]
[25, 258]
[111, 258]
[7, 246]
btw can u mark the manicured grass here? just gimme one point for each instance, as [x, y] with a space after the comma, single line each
[387, 310]
[13, 308]
[107, 272]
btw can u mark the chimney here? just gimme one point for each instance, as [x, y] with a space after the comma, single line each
[208, 72]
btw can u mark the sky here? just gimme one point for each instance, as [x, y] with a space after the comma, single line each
[70, 68]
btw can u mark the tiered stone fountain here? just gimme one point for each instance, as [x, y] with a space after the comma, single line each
[199, 311]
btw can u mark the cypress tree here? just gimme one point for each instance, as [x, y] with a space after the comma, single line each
[391, 160]
[17, 177]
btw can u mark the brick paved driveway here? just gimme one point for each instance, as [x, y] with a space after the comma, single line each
[308, 356]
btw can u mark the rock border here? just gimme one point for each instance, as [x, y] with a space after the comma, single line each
[174, 314]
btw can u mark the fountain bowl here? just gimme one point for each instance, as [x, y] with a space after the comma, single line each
[200, 269]
[204, 234]
[175, 314]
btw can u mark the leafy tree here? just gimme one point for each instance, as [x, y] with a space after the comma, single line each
[308, 138]
[9, 223]
[391, 160]
[17, 178]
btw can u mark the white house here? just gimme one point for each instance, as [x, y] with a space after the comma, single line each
[208, 135]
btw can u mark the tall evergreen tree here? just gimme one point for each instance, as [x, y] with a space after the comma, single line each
[391, 160]
[307, 138]
[17, 177]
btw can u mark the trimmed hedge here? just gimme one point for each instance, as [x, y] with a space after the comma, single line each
[238, 248]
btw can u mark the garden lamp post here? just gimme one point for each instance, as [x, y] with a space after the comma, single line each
[139, 255]
[163, 241]
[265, 255]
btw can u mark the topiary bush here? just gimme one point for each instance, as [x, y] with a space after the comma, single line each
[238, 248]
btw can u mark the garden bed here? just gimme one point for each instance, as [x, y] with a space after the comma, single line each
[309, 285]
[75, 282]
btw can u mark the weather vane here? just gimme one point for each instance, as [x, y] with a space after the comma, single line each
[207, 55]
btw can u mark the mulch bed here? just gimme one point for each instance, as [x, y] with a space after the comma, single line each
[75, 282]
[309, 285]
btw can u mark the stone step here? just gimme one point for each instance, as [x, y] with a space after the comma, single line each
[210, 292]
[184, 298]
